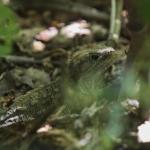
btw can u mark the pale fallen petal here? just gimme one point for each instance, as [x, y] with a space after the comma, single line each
[38, 46]
[144, 132]
[47, 35]
[85, 140]
[76, 28]
[134, 103]
[45, 128]
[131, 104]
[6, 2]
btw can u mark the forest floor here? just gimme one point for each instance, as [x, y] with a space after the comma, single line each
[40, 56]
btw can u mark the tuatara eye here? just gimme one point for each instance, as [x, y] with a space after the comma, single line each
[94, 56]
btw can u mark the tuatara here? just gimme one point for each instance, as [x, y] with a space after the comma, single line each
[81, 65]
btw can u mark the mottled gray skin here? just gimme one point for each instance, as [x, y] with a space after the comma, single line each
[95, 59]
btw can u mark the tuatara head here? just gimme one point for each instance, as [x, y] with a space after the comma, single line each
[95, 59]
[87, 67]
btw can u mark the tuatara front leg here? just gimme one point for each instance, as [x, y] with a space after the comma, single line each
[33, 104]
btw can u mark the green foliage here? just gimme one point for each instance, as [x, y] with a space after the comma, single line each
[8, 29]
[143, 8]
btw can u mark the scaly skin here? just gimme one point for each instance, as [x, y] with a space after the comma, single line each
[44, 100]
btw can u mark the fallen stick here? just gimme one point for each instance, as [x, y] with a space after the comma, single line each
[20, 59]
[61, 5]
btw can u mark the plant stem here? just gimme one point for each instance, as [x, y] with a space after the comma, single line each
[115, 22]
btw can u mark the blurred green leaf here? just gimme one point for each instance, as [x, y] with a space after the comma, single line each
[8, 28]
[144, 10]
